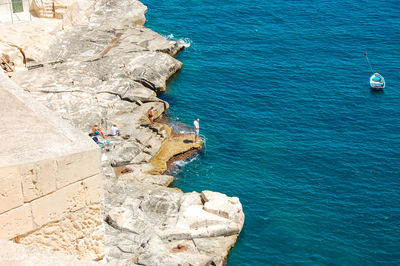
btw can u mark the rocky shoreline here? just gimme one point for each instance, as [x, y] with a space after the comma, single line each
[108, 70]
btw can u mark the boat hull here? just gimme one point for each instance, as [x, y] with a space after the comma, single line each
[377, 82]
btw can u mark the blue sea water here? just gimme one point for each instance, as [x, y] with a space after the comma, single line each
[293, 130]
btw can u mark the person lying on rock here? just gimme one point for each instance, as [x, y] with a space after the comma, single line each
[115, 131]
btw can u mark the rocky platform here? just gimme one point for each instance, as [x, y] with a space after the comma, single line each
[107, 71]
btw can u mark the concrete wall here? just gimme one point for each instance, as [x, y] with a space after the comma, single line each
[51, 192]
[5, 7]
[8, 15]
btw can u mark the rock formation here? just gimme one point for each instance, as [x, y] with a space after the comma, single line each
[108, 70]
[156, 225]
[26, 42]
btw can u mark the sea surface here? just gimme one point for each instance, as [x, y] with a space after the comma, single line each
[292, 128]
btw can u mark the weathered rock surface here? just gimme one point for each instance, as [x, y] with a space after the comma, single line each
[108, 70]
[113, 88]
[175, 145]
[135, 173]
[155, 225]
[21, 255]
[32, 40]
[70, 11]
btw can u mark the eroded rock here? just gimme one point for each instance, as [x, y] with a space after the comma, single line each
[171, 227]
[108, 70]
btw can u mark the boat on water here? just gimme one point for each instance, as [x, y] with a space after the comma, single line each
[377, 82]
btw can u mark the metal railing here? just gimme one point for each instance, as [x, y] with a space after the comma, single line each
[204, 139]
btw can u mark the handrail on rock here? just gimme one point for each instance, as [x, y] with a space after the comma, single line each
[204, 142]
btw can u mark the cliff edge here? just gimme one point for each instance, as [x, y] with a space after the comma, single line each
[108, 70]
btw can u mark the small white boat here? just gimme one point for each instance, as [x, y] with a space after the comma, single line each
[377, 82]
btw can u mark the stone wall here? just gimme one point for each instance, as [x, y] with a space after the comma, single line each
[51, 192]
[22, 255]
[70, 11]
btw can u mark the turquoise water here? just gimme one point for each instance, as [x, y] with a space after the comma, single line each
[293, 130]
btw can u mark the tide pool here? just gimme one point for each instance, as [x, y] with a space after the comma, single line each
[293, 130]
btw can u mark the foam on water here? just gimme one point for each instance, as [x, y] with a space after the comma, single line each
[178, 166]
[186, 42]
[182, 163]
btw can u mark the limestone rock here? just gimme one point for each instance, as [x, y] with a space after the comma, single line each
[195, 219]
[21, 255]
[123, 152]
[220, 204]
[107, 13]
[109, 69]
[144, 39]
[70, 234]
[163, 226]
[138, 173]
[32, 39]
[128, 217]
[173, 146]
[11, 55]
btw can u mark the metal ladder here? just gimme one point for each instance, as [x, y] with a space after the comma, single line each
[204, 139]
